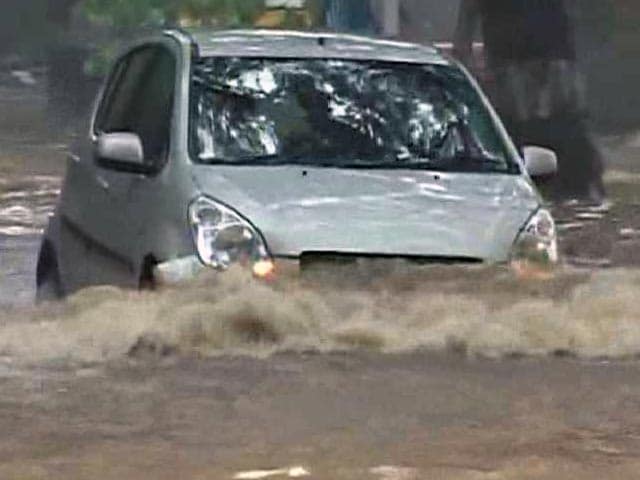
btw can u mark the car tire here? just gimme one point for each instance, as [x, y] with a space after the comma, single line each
[147, 280]
[48, 282]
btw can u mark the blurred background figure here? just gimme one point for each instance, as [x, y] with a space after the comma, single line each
[387, 15]
[355, 16]
[380, 17]
[535, 84]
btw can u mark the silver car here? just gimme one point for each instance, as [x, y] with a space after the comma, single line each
[211, 149]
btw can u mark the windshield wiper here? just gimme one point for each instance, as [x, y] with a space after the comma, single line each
[457, 163]
[478, 159]
[471, 162]
[302, 160]
[270, 160]
[454, 163]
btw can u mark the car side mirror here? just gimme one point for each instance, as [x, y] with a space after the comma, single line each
[540, 162]
[121, 148]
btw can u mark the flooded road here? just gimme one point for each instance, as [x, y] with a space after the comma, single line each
[32, 161]
[25, 204]
[452, 374]
[336, 416]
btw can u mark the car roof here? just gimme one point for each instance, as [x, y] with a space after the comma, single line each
[296, 44]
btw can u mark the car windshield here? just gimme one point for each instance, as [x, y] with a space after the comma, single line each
[342, 113]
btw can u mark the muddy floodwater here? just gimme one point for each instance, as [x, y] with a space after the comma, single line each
[439, 374]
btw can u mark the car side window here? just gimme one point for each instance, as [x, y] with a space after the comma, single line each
[139, 99]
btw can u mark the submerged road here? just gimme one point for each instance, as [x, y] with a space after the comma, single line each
[338, 416]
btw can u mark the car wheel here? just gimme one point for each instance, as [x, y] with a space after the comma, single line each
[48, 282]
[147, 278]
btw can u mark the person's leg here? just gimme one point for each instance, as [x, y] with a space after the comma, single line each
[579, 159]
[593, 161]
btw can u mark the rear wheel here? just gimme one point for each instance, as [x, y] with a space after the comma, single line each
[48, 282]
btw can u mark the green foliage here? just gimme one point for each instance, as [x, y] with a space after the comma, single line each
[128, 18]
[124, 15]
[223, 12]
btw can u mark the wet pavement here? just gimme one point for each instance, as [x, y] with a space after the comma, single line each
[25, 205]
[332, 416]
[603, 236]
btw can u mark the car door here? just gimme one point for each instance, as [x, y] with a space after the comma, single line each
[97, 205]
[155, 198]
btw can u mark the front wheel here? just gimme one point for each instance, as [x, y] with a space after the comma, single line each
[48, 282]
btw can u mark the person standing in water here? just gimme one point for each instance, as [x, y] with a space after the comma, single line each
[535, 84]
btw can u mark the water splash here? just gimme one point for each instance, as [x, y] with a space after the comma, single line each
[483, 313]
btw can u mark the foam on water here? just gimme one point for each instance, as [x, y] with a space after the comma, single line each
[486, 313]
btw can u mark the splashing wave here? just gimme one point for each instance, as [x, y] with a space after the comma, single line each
[482, 313]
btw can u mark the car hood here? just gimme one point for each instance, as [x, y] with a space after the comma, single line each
[386, 212]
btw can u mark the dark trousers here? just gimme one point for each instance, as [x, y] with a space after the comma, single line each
[580, 163]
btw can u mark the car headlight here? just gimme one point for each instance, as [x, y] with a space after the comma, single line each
[537, 242]
[223, 238]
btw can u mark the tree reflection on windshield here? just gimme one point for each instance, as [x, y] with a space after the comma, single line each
[341, 113]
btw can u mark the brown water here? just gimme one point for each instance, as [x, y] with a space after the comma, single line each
[587, 308]
[486, 313]
[355, 416]
[443, 373]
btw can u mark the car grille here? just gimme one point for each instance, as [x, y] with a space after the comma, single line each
[320, 260]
